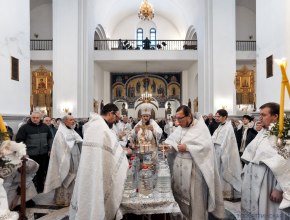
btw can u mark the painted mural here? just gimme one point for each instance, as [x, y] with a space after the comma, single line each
[129, 87]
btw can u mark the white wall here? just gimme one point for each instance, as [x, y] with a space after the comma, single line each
[14, 41]
[41, 22]
[127, 28]
[73, 37]
[192, 83]
[273, 37]
[245, 24]
[99, 84]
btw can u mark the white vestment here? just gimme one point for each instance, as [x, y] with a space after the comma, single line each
[228, 160]
[116, 131]
[102, 174]
[63, 164]
[263, 173]
[196, 183]
[167, 129]
[11, 183]
[153, 137]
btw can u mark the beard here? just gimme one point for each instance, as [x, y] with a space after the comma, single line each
[148, 122]
[111, 125]
[73, 126]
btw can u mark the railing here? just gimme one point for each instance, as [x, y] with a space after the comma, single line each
[40, 44]
[246, 45]
[145, 45]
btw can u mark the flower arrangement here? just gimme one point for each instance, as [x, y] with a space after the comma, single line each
[283, 137]
[10, 157]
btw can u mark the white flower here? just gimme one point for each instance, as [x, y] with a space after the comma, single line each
[271, 126]
[288, 141]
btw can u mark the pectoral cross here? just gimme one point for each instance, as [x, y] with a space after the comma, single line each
[143, 127]
[163, 145]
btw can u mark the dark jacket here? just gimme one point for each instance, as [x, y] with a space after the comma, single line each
[207, 121]
[10, 131]
[251, 136]
[239, 135]
[37, 138]
[53, 129]
[212, 127]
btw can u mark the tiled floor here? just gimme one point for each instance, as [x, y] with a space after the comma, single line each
[46, 209]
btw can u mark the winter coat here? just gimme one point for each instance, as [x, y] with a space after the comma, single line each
[37, 138]
[213, 126]
[251, 134]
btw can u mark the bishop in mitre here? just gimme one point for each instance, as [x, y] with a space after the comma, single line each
[227, 156]
[102, 172]
[196, 185]
[152, 130]
[64, 162]
[266, 174]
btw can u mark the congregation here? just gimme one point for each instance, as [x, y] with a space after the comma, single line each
[222, 160]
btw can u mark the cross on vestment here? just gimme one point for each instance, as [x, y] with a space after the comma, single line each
[143, 127]
[163, 146]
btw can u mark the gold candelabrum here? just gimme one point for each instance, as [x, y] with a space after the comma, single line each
[146, 97]
[143, 145]
[245, 108]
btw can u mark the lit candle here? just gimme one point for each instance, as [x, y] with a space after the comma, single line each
[285, 82]
[3, 127]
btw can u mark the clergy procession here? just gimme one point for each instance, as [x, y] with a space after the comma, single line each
[114, 168]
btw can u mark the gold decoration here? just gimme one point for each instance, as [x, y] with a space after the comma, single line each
[245, 86]
[96, 106]
[195, 105]
[146, 11]
[42, 83]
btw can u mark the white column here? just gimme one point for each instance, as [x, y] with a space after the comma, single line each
[185, 90]
[217, 57]
[272, 39]
[107, 87]
[73, 34]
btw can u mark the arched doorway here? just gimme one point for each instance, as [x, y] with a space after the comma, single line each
[152, 114]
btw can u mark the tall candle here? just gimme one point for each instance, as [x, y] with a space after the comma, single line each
[3, 127]
[285, 82]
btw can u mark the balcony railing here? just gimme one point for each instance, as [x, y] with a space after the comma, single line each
[145, 45]
[141, 45]
[40, 44]
[246, 46]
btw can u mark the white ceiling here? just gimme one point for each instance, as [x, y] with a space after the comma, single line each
[140, 66]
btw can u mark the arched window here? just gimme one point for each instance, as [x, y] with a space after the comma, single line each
[153, 37]
[140, 38]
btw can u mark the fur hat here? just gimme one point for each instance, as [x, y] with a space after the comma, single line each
[248, 117]
[146, 109]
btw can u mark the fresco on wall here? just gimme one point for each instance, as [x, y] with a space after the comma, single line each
[130, 86]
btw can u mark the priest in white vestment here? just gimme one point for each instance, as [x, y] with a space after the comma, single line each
[64, 162]
[102, 172]
[152, 133]
[266, 174]
[227, 156]
[196, 184]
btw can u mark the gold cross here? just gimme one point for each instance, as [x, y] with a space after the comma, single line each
[163, 146]
[143, 127]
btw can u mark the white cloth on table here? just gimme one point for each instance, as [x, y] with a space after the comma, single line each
[228, 159]
[196, 183]
[102, 173]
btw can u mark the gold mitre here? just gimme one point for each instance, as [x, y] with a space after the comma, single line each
[146, 109]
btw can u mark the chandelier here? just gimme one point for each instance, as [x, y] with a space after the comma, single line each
[146, 97]
[146, 11]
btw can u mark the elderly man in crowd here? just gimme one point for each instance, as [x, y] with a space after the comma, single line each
[38, 139]
[61, 175]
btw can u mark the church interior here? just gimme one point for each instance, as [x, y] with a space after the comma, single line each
[61, 57]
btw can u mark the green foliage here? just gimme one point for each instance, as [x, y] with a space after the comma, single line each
[3, 135]
[275, 130]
